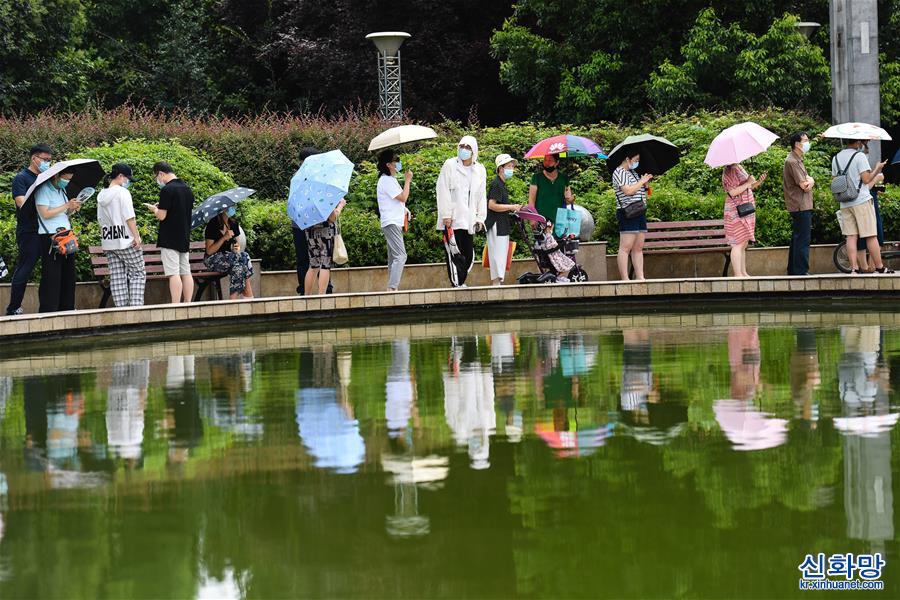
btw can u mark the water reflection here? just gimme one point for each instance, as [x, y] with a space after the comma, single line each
[494, 463]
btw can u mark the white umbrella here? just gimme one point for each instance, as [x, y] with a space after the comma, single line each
[856, 131]
[401, 135]
[87, 173]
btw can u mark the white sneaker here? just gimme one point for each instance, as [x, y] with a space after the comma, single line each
[463, 285]
[562, 280]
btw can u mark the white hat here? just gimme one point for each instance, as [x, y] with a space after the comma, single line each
[502, 159]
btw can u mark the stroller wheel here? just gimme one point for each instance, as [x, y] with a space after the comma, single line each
[578, 274]
[547, 278]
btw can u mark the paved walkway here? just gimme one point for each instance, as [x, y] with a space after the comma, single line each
[605, 296]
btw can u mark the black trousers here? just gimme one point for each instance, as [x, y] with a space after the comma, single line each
[57, 288]
[801, 234]
[301, 249]
[29, 253]
[466, 245]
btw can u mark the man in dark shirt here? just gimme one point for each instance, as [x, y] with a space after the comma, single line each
[26, 225]
[176, 201]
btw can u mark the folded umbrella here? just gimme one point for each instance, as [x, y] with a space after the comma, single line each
[403, 134]
[86, 172]
[856, 131]
[457, 260]
[658, 155]
[317, 187]
[738, 143]
[209, 208]
[565, 146]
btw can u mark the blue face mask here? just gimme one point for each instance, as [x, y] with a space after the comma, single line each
[398, 166]
[635, 164]
[507, 173]
[231, 212]
[127, 184]
[62, 184]
[464, 154]
[43, 166]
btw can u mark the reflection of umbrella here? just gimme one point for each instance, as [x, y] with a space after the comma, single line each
[737, 143]
[403, 134]
[317, 187]
[212, 206]
[565, 145]
[658, 155]
[869, 426]
[86, 172]
[856, 131]
[748, 428]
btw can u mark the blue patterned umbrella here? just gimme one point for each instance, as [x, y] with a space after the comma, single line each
[212, 206]
[317, 188]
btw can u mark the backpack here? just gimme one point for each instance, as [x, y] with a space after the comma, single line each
[842, 185]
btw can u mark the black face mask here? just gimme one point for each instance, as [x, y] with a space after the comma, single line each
[550, 168]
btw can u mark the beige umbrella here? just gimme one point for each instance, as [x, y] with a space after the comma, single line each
[856, 131]
[401, 135]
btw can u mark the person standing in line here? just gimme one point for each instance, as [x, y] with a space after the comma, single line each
[630, 188]
[394, 214]
[120, 239]
[27, 236]
[57, 287]
[549, 189]
[176, 201]
[462, 204]
[798, 200]
[858, 214]
[301, 245]
[739, 231]
[874, 185]
[320, 247]
[497, 222]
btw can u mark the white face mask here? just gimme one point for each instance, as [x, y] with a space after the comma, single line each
[805, 147]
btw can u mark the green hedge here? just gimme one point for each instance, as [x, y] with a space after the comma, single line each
[262, 155]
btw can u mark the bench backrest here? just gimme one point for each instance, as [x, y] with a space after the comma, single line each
[152, 260]
[685, 235]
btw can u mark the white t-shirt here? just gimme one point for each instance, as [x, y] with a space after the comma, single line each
[859, 165]
[392, 210]
[114, 208]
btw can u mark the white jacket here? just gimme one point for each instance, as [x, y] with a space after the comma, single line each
[449, 188]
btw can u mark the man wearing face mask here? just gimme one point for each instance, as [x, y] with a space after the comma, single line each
[176, 201]
[27, 237]
[798, 199]
[549, 189]
[462, 204]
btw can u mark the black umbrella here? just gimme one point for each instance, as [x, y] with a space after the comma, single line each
[658, 155]
[216, 203]
[86, 173]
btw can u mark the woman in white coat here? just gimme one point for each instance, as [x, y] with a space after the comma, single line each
[462, 206]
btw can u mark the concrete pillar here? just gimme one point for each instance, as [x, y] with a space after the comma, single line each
[854, 65]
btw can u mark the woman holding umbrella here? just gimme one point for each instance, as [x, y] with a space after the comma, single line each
[57, 288]
[394, 214]
[225, 255]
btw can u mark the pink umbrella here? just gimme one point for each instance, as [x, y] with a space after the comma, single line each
[739, 142]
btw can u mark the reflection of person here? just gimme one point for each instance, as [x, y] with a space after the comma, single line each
[739, 231]
[744, 360]
[503, 355]
[182, 408]
[469, 401]
[857, 383]
[399, 390]
[637, 372]
[805, 375]
[230, 377]
[125, 403]
[325, 420]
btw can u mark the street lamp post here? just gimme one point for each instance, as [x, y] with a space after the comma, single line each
[390, 101]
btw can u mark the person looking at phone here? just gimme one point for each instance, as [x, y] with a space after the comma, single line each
[57, 288]
[176, 201]
[225, 255]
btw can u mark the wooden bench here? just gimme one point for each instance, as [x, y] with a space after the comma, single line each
[203, 277]
[683, 237]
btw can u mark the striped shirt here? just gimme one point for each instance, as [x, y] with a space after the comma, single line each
[620, 178]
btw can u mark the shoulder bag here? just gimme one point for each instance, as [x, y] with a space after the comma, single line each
[339, 254]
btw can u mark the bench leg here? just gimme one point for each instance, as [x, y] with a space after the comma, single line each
[727, 264]
[219, 295]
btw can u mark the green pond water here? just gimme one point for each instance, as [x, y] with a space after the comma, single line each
[635, 457]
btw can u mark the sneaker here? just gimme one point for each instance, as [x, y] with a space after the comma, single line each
[562, 280]
[18, 311]
[463, 286]
[855, 272]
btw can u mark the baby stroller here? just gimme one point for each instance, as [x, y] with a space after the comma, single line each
[568, 244]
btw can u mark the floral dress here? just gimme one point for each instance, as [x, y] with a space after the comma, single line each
[737, 229]
[560, 261]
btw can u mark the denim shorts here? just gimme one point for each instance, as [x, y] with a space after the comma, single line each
[633, 225]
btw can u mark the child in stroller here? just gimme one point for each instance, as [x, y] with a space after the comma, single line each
[555, 258]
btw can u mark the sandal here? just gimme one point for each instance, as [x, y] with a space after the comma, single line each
[884, 271]
[855, 272]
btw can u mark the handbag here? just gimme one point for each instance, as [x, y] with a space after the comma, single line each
[635, 209]
[62, 243]
[568, 222]
[745, 209]
[486, 261]
[339, 254]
